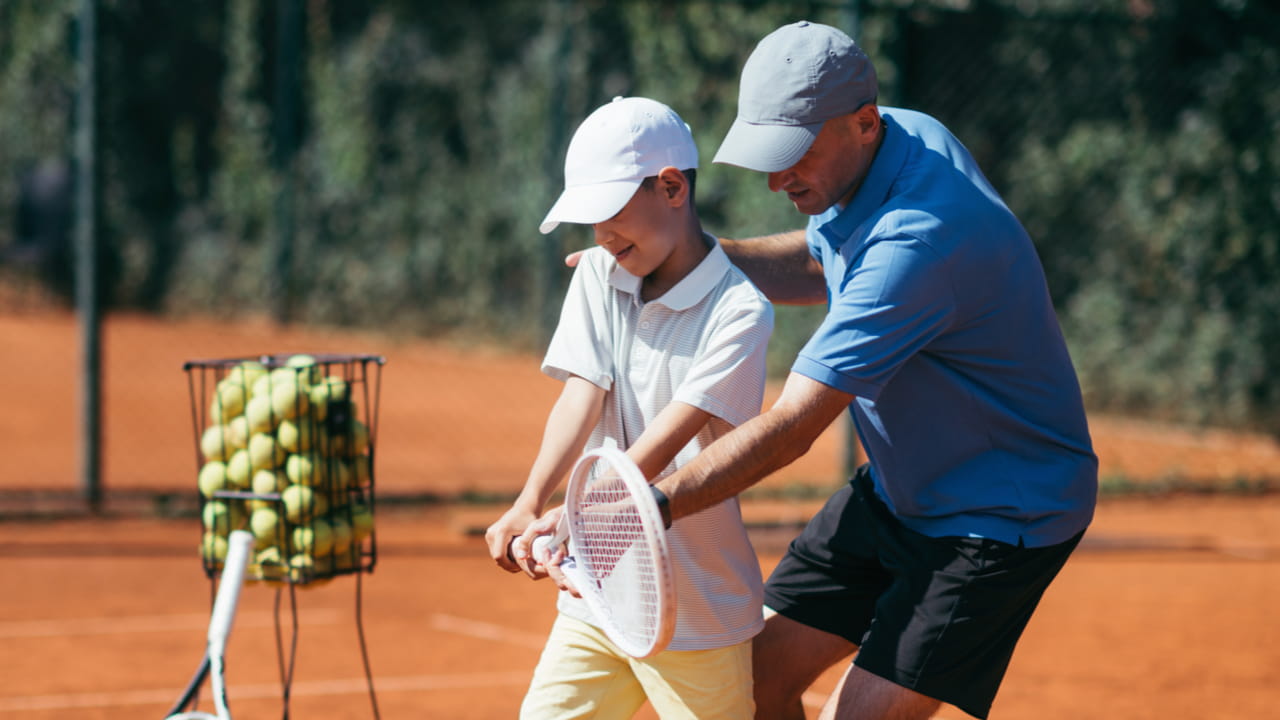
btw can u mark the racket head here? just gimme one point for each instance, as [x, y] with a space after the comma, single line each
[620, 560]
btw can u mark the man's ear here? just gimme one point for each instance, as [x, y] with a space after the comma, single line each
[866, 122]
[673, 186]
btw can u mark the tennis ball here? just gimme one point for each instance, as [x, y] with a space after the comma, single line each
[265, 452]
[353, 442]
[245, 374]
[298, 435]
[265, 524]
[308, 371]
[269, 481]
[314, 539]
[216, 444]
[261, 386]
[222, 516]
[213, 548]
[301, 469]
[289, 399]
[269, 565]
[240, 470]
[329, 390]
[361, 471]
[302, 503]
[259, 416]
[361, 522]
[228, 401]
[212, 478]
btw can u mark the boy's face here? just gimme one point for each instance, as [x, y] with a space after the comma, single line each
[640, 236]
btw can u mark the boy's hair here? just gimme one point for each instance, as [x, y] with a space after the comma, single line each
[691, 174]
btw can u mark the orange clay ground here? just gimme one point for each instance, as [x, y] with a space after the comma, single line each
[1169, 610]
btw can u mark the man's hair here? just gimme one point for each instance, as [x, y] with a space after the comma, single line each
[651, 182]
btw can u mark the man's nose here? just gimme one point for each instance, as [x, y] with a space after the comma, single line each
[778, 180]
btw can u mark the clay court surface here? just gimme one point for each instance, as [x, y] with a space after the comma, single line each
[1169, 610]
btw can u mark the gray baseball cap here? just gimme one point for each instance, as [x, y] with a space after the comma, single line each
[798, 77]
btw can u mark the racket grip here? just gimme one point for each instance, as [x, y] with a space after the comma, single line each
[239, 551]
[542, 549]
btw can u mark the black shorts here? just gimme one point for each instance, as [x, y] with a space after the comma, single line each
[940, 616]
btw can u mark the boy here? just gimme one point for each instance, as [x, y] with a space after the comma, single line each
[661, 346]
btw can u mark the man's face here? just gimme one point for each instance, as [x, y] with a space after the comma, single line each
[833, 168]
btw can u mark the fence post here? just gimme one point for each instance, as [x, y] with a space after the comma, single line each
[86, 274]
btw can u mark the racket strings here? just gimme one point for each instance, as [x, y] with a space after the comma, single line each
[615, 556]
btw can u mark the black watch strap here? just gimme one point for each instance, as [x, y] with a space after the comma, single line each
[664, 506]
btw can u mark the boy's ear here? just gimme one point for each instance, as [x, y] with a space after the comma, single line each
[673, 185]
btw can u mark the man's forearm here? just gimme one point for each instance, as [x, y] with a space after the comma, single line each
[756, 448]
[781, 266]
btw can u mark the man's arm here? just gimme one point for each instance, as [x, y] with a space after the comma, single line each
[781, 266]
[757, 448]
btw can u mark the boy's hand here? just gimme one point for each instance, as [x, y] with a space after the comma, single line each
[522, 550]
[500, 535]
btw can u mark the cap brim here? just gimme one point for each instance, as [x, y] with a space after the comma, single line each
[589, 204]
[766, 148]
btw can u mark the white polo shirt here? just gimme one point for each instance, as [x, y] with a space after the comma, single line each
[702, 343]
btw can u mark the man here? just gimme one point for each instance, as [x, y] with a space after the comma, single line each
[942, 342]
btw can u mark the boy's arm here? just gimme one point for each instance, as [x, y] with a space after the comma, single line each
[572, 418]
[665, 436]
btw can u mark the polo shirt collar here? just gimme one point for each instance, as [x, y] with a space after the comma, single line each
[873, 193]
[691, 289]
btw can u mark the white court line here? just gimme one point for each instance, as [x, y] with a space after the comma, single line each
[486, 631]
[255, 692]
[150, 623]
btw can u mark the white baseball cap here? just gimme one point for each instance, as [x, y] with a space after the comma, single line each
[612, 152]
[799, 76]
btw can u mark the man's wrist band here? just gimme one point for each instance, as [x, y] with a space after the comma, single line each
[664, 506]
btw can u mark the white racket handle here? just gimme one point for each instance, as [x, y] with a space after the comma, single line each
[544, 545]
[239, 551]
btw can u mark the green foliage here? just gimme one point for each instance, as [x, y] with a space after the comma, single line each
[1137, 142]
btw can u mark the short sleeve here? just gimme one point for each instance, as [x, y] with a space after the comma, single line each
[893, 299]
[582, 344]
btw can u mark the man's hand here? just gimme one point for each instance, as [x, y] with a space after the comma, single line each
[572, 258]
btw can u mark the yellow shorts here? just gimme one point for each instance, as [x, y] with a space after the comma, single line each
[581, 674]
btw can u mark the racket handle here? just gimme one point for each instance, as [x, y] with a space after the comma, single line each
[542, 549]
[239, 551]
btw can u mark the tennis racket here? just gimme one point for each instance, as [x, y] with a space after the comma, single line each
[239, 551]
[617, 553]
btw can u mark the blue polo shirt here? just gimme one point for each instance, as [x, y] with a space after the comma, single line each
[940, 323]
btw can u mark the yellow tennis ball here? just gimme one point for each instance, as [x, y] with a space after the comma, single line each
[240, 469]
[246, 373]
[269, 565]
[222, 516]
[301, 469]
[361, 471]
[215, 443]
[268, 481]
[289, 400]
[329, 390]
[229, 399]
[315, 538]
[298, 435]
[261, 386]
[259, 416]
[265, 524]
[361, 522]
[265, 452]
[307, 370]
[212, 478]
[301, 503]
[213, 548]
